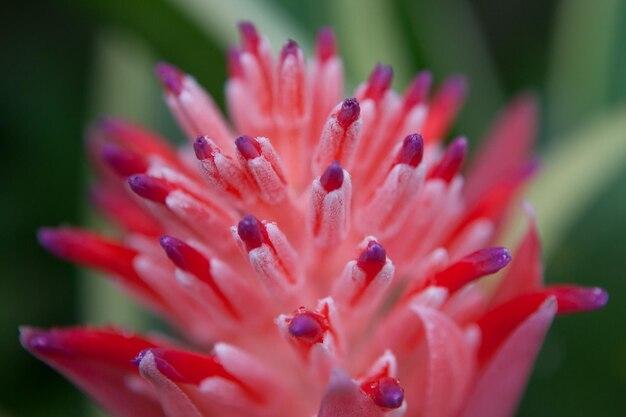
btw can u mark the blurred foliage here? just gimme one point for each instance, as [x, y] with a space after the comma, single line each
[65, 62]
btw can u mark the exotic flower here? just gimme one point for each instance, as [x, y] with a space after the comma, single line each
[318, 257]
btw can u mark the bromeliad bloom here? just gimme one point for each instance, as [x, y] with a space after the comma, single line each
[320, 255]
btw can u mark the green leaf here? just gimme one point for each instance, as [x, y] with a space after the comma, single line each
[577, 169]
[584, 52]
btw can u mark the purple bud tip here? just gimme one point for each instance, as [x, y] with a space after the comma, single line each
[248, 147]
[171, 78]
[412, 150]
[250, 231]
[372, 259]
[201, 148]
[290, 48]
[235, 69]
[137, 360]
[326, 45]
[390, 395]
[305, 327]
[455, 86]
[49, 238]
[490, 260]
[451, 160]
[42, 341]
[332, 178]
[596, 298]
[419, 89]
[174, 249]
[123, 161]
[249, 37]
[349, 113]
[379, 81]
[150, 188]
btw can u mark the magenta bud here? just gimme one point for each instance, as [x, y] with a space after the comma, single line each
[451, 161]
[235, 69]
[332, 178]
[290, 48]
[184, 256]
[349, 112]
[326, 45]
[387, 393]
[490, 260]
[248, 147]
[171, 78]
[250, 230]
[42, 341]
[123, 161]
[305, 327]
[201, 148]
[379, 81]
[372, 259]
[249, 37]
[412, 150]
[418, 90]
[137, 360]
[150, 188]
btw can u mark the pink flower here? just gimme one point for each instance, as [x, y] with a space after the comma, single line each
[324, 261]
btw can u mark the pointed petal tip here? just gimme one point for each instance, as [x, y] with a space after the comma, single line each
[250, 231]
[250, 38]
[372, 259]
[233, 61]
[123, 161]
[305, 327]
[574, 299]
[150, 188]
[41, 341]
[332, 178]
[349, 112]
[248, 147]
[419, 89]
[379, 81]
[201, 148]
[171, 77]
[290, 48]
[496, 259]
[412, 150]
[326, 44]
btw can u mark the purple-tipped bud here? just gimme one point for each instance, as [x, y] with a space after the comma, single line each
[233, 61]
[386, 392]
[349, 113]
[248, 147]
[490, 260]
[201, 148]
[451, 161]
[575, 299]
[150, 188]
[475, 265]
[418, 90]
[326, 45]
[305, 327]
[412, 150]
[249, 37]
[123, 161]
[171, 78]
[332, 178]
[290, 48]
[372, 259]
[43, 342]
[137, 360]
[379, 82]
[250, 231]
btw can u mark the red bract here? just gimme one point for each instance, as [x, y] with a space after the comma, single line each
[322, 254]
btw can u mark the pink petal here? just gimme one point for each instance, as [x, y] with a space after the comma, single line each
[99, 362]
[344, 398]
[450, 366]
[525, 273]
[502, 381]
[507, 147]
[174, 400]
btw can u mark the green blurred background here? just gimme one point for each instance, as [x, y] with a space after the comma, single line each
[66, 62]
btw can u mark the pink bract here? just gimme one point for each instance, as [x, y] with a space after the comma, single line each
[320, 254]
